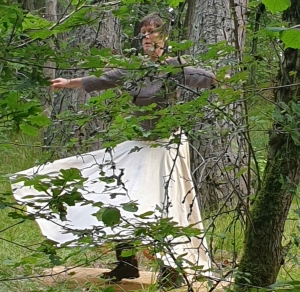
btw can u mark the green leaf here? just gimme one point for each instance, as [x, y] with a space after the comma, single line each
[276, 29]
[174, 3]
[29, 130]
[107, 179]
[2, 205]
[109, 289]
[183, 45]
[241, 172]
[12, 99]
[294, 282]
[146, 214]
[278, 115]
[42, 34]
[55, 260]
[99, 214]
[71, 174]
[296, 137]
[291, 38]
[114, 195]
[296, 108]
[191, 231]
[72, 198]
[277, 5]
[130, 207]
[15, 215]
[31, 22]
[128, 252]
[135, 149]
[40, 120]
[111, 216]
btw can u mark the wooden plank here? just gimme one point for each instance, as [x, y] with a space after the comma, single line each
[81, 276]
[85, 276]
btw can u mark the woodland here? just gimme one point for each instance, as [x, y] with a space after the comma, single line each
[244, 133]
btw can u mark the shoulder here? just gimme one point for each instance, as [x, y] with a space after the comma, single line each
[175, 60]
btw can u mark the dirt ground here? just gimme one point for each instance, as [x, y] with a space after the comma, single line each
[85, 276]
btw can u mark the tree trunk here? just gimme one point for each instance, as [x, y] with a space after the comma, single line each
[219, 171]
[49, 70]
[105, 34]
[27, 4]
[263, 252]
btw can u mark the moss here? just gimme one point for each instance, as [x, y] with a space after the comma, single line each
[262, 258]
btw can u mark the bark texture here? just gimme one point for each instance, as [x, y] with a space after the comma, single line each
[218, 20]
[219, 170]
[49, 70]
[263, 252]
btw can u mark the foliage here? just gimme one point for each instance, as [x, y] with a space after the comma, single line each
[25, 47]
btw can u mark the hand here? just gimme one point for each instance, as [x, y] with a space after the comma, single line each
[65, 83]
[61, 83]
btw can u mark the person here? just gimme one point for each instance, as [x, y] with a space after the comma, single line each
[155, 180]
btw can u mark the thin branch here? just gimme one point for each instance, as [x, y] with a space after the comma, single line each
[66, 18]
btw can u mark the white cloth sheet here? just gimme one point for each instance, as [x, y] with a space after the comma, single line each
[151, 177]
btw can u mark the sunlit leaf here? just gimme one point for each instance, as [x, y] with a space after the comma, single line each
[277, 5]
[31, 22]
[29, 130]
[291, 38]
[41, 34]
[39, 120]
[174, 3]
[241, 172]
[128, 252]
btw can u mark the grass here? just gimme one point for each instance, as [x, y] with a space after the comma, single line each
[291, 268]
[19, 239]
[17, 233]
[227, 244]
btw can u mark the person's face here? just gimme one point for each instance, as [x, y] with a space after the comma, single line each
[152, 43]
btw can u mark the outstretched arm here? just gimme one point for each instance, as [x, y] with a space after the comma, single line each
[108, 80]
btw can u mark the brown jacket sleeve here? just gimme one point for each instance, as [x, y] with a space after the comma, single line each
[109, 79]
[194, 77]
[198, 78]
